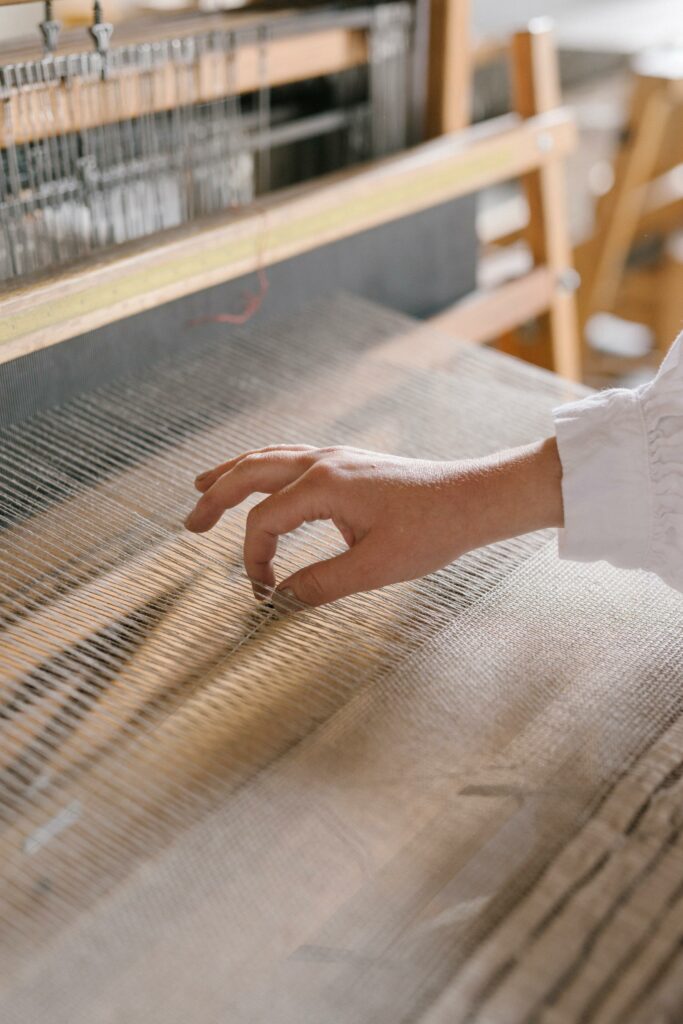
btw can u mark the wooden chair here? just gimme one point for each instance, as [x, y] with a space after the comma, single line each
[643, 208]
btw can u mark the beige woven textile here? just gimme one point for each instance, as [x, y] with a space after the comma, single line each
[457, 800]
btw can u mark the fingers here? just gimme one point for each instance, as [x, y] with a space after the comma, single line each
[259, 472]
[349, 573]
[304, 502]
[207, 479]
[297, 497]
[277, 515]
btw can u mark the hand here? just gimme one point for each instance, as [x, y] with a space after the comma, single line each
[401, 518]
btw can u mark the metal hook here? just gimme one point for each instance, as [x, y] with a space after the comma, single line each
[49, 30]
[100, 32]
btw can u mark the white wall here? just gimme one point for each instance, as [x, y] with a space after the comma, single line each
[492, 17]
[19, 20]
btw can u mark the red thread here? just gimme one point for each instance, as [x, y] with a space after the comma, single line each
[252, 300]
[252, 303]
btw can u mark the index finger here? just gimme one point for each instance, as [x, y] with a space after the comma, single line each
[209, 477]
[260, 472]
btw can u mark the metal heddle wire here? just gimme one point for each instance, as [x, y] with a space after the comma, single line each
[118, 141]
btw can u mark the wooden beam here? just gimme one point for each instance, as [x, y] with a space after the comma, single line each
[484, 315]
[536, 89]
[54, 108]
[146, 28]
[143, 275]
[450, 67]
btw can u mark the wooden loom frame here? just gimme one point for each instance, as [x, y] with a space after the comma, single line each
[116, 286]
[530, 144]
[296, 51]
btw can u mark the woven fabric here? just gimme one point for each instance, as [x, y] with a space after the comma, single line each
[456, 800]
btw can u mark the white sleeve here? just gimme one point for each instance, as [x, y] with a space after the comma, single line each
[622, 474]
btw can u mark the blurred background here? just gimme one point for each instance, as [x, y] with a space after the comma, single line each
[619, 59]
[621, 67]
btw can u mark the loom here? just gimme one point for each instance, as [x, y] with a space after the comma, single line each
[456, 800]
[160, 123]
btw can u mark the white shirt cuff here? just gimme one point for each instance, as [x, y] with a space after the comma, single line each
[602, 443]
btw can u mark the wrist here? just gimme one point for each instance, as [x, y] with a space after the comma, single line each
[545, 483]
[518, 491]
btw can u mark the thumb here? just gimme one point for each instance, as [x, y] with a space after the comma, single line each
[331, 579]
